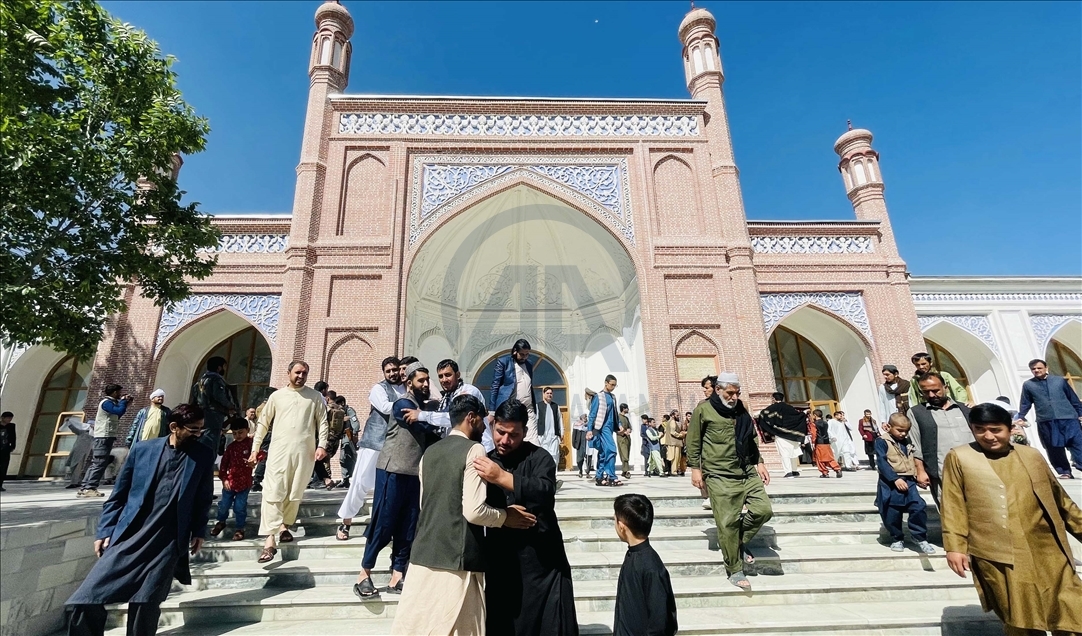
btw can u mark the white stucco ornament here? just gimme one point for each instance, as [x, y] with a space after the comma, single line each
[1044, 325]
[978, 326]
[812, 244]
[259, 309]
[848, 306]
[251, 244]
[461, 124]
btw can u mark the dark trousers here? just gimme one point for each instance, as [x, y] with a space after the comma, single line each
[261, 467]
[918, 520]
[212, 430]
[869, 450]
[5, 459]
[584, 456]
[102, 458]
[89, 620]
[1059, 436]
[395, 507]
[347, 458]
[238, 502]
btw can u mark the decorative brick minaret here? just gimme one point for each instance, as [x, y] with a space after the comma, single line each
[328, 73]
[859, 166]
[739, 289]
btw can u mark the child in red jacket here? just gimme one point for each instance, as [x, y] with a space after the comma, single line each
[236, 477]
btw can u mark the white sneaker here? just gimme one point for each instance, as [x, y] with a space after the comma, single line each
[898, 546]
[926, 548]
[706, 505]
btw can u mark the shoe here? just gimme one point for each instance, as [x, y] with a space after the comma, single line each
[343, 484]
[839, 474]
[214, 498]
[397, 589]
[217, 529]
[85, 493]
[559, 484]
[238, 535]
[827, 476]
[257, 487]
[926, 548]
[365, 589]
[706, 505]
[898, 546]
[788, 476]
[796, 473]
[580, 474]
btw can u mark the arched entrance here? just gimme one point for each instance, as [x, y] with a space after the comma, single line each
[801, 371]
[546, 375]
[248, 369]
[525, 264]
[1062, 361]
[64, 390]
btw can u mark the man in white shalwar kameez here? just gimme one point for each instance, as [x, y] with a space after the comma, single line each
[298, 416]
[446, 595]
[841, 441]
[381, 398]
[550, 425]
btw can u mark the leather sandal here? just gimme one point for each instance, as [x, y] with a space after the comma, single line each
[267, 554]
[238, 535]
[342, 533]
[285, 537]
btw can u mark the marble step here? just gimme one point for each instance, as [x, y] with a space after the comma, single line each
[596, 518]
[804, 559]
[944, 617]
[586, 540]
[275, 604]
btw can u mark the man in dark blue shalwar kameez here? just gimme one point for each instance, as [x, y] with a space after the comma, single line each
[156, 514]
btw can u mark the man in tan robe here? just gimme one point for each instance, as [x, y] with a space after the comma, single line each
[1006, 518]
[296, 414]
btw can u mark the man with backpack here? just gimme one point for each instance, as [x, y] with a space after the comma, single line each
[212, 395]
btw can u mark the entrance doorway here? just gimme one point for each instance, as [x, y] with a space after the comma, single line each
[248, 370]
[64, 391]
[546, 375]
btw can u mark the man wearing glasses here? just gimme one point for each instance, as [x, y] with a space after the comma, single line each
[156, 515]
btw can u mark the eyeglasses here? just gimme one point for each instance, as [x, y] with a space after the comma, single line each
[195, 431]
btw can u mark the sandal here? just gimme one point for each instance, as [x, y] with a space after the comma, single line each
[604, 482]
[738, 579]
[238, 535]
[746, 556]
[267, 554]
[285, 537]
[616, 482]
[342, 534]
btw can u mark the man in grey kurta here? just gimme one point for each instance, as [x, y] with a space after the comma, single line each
[938, 425]
[155, 515]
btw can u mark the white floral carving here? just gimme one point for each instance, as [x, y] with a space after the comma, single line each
[260, 309]
[1044, 325]
[812, 244]
[993, 297]
[849, 306]
[978, 326]
[519, 125]
[252, 243]
[600, 183]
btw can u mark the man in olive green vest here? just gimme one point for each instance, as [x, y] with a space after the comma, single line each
[447, 581]
[723, 454]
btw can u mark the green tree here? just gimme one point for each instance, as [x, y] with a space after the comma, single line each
[88, 201]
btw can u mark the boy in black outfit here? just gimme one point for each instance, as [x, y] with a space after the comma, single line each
[645, 605]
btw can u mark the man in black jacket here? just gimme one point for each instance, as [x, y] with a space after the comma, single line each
[788, 426]
[212, 395]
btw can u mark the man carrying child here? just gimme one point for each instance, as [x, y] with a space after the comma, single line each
[236, 477]
[897, 493]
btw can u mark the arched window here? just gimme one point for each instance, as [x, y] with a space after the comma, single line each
[801, 371]
[944, 361]
[546, 375]
[1063, 361]
[248, 369]
[64, 391]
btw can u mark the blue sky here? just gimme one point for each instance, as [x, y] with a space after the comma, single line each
[976, 108]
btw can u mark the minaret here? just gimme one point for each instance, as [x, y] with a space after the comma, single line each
[859, 166]
[704, 75]
[328, 73]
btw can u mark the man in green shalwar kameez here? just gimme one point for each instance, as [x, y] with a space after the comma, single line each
[723, 454]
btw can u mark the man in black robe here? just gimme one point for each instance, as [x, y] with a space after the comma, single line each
[527, 579]
[155, 515]
[787, 427]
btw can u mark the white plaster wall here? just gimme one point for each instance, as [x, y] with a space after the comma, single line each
[22, 392]
[433, 349]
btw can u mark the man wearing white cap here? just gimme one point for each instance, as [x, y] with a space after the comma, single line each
[150, 421]
[723, 454]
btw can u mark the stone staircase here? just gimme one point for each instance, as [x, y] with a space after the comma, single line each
[821, 567]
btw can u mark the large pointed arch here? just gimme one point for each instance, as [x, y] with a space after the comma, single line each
[972, 356]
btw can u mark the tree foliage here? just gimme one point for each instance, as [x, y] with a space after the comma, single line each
[90, 107]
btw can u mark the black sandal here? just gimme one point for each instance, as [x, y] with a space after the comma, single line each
[342, 534]
[285, 537]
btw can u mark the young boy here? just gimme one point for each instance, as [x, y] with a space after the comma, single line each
[897, 493]
[1006, 518]
[236, 477]
[644, 598]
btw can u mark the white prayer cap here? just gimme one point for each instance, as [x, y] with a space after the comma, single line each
[157, 393]
[725, 379]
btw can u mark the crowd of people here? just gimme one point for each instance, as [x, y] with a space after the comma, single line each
[465, 497]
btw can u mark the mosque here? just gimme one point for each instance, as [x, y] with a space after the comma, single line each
[610, 233]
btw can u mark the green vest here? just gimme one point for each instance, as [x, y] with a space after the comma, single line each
[445, 541]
